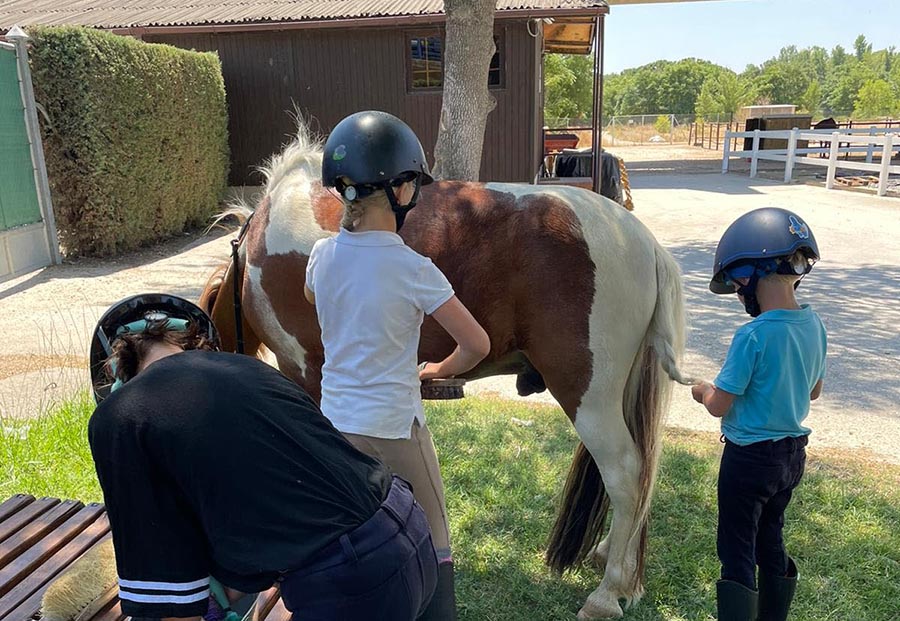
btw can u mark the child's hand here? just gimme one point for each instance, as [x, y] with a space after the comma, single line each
[699, 390]
[428, 371]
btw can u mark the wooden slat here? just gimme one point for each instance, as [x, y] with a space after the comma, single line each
[13, 504]
[19, 519]
[35, 530]
[265, 601]
[108, 603]
[113, 612]
[30, 592]
[279, 612]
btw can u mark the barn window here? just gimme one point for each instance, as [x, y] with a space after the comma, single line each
[427, 62]
[495, 73]
[426, 66]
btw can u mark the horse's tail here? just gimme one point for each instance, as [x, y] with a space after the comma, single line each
[585, 503]
[211, 290]
[648, 390]
[582, 513]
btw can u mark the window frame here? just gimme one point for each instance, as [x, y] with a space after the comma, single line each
[407, 40]
[409, 35]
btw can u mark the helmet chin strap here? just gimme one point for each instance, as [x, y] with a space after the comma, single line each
[748, 295]
[399, 210]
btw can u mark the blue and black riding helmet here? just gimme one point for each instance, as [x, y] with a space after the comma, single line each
[370, 151]
[762, 242]
[134, 315]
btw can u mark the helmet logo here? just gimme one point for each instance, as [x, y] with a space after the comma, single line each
[798, 228]
[339, 153]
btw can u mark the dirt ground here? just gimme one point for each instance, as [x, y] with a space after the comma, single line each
[46, 316]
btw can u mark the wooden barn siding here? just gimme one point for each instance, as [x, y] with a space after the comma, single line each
[330, 73]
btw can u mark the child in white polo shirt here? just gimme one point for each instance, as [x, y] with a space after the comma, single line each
[371, 293]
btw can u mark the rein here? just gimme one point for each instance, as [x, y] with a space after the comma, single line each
[238, 315]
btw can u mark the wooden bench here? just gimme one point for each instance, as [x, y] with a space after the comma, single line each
[39, 538]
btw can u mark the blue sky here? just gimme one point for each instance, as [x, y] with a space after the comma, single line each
[737, 32]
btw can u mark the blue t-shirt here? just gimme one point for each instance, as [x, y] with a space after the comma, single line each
[772, 365]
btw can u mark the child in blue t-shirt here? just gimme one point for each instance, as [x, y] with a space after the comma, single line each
[774, 368]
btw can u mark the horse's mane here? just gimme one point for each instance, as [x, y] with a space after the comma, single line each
[300, 161]
[302, 156]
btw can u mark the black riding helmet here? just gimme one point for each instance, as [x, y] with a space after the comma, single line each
[757, 244]
[133, 314]
[370, 151]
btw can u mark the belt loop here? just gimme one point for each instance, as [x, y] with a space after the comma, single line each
[394, 516]
[347, 547]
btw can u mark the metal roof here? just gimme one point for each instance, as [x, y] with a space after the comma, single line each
[115, 14]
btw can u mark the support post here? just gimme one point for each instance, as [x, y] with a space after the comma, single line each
[832, 160]
[754, 158]
[886, 153]
[20, 39]
[726, 152]
[791, 153]
[597, 141]
[870, 151]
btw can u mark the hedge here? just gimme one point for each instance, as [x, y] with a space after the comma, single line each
[135, 137]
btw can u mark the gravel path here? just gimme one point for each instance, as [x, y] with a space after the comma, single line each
[46, 316]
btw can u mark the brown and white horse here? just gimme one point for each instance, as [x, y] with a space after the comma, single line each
[576, 295]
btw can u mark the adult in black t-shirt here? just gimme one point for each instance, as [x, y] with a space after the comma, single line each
[215, 464]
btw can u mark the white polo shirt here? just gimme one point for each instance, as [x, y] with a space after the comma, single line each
[372, 293]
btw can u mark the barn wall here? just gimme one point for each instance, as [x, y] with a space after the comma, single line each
[330, 73]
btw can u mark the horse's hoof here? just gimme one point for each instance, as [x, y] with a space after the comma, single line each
[592, 612]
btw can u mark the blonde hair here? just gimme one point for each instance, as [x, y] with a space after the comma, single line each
[797, 259]
[355, 209]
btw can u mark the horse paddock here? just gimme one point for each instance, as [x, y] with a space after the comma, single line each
[46, 316]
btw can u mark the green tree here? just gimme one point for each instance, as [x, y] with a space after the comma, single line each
[842, 86]
[862, 47]
[725, 93]
[662, 86]
[663, 124]
[568, 83]
[812, 99]
[784, 79]
[838, 56]
[876, 98]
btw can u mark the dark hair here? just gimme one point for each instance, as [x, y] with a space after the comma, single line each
[130, 349]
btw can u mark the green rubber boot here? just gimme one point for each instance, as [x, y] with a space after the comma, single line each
[735, 601]
[776, 594]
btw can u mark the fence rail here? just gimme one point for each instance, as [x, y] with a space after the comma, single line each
[857, 140]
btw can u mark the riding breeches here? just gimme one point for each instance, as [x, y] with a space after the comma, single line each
[415, 460]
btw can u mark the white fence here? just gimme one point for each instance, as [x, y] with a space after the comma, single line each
[857, 140]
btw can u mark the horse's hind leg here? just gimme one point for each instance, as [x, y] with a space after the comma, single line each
[603, 431]
[599, 419]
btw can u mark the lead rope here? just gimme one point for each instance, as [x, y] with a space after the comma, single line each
[629, 204]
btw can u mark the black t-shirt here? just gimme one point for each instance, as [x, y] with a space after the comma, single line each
[216, 464]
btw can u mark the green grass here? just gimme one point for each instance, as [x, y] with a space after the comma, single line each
[502, 479]
[49, 455]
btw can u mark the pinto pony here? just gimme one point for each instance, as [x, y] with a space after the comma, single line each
[576, 294]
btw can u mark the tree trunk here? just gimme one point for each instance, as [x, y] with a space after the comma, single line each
[467, 102]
